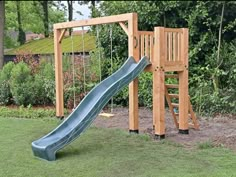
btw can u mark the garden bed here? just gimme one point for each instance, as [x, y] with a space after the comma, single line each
[217, 131]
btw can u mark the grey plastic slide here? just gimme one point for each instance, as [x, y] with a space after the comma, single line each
[88, 109]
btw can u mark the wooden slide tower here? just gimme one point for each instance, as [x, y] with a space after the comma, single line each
[167, 49]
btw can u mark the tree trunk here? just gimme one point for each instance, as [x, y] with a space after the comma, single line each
[2, 22]
[93, 2]
[21, 36]
[45, 17]
[70, 13]
[219, 62]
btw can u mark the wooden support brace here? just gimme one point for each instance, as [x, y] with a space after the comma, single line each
[124, 27]
[62, 35]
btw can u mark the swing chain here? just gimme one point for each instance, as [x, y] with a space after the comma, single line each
[73, 69]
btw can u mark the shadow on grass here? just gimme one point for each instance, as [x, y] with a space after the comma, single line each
[75, 150]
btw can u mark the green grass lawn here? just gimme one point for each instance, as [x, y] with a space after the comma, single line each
[106, 153]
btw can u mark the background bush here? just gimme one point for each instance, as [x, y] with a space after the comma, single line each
[5, 92]
[22, 85]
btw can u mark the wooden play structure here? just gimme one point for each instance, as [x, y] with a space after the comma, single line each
[167, 49]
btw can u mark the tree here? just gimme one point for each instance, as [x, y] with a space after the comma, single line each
[2, 22]
[212, 39]
[44, 4]
[33, 17]
[70, 13]
[21, 35]
[92, 7]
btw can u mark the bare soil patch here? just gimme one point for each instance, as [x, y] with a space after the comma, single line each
[220, 130]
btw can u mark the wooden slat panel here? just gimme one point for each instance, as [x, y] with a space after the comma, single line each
[173, 63]
[170, 47]
[142, 46]
[179, 46]
[147, 46]
[151, 48]
[174, 47]
[165, 47]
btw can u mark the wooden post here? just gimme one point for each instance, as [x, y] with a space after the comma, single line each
[183, 85]
[58, 74]
[158, 83]
[133, 86]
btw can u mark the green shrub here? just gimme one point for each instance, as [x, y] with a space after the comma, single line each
[27, 112]
[44, 84]
[5, 93]
[145, 89]
[22, 85]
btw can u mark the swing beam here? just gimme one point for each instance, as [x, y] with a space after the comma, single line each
[152, 44]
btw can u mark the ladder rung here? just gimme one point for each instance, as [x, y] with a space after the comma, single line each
[177, 114]
[171, 75]
[174, 95]
[172, 86]
[176, 105]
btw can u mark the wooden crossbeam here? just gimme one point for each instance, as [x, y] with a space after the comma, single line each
[174, 95]
[175, 105]
[171, 76]
[172, 86]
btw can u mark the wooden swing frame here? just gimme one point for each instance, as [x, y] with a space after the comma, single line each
[163, 58]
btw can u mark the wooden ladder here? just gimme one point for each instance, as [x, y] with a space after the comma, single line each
[174, 106]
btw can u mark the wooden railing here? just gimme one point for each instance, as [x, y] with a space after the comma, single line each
[173, 40]
[146, 44]
[173, 44]
[173, 47]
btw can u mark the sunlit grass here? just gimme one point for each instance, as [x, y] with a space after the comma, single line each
[106, 153]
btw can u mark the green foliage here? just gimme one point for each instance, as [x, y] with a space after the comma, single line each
[5, 74]
[21, 85]
[32, 12]
[104, 152]
[27, 112]
[80, 76]
[205, 145]
[48, 77]
[145, 89]
[212, 80]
